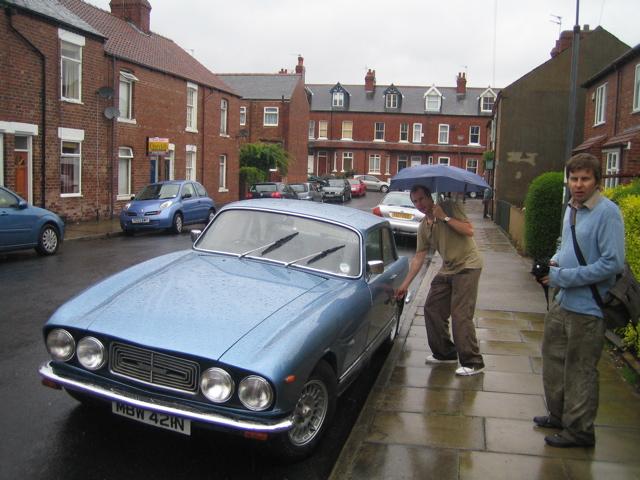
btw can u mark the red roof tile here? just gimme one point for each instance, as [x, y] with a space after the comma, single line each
[624, 137]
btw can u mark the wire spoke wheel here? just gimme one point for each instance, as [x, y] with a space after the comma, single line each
[310, 413]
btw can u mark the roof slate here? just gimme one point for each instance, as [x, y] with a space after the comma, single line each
[262, 86]
[55, 11]
[412, 99]
[154, 51]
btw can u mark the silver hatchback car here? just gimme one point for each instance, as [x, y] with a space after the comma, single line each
[398, 208]
[374, 183]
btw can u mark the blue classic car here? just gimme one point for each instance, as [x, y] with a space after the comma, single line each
[255, 330]
[24, 226]
[167, 205]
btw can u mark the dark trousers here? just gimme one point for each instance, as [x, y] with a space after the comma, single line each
[571, 347]
[453, 296]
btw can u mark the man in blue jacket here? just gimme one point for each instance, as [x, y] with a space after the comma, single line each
[574, 327]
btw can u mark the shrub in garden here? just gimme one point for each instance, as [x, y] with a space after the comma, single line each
[542, 215]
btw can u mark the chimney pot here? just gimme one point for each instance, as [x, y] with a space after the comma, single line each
[300, 66]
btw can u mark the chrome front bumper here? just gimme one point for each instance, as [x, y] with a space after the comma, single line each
[215, 419]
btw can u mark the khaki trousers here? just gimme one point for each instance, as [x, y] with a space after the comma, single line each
[571, 347]
[453, 296]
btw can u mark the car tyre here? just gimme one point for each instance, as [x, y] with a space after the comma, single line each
[48, 240]
[177, 223]
[342, 198]
[395, 328]
[384, 189]
[311, 416]
[211, 214]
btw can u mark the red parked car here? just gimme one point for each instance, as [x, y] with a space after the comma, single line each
[358, 187]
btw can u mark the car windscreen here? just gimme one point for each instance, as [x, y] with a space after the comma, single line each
[158, 191]
[264, 187]
[289, 239]
[299, 187]
[398, 199]
[336, 183]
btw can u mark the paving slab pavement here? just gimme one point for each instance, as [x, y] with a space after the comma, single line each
[422, 421]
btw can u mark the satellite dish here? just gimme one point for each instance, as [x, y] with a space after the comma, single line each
[111, 112]
[105, 92]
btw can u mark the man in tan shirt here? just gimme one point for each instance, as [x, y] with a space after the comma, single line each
[454, 289]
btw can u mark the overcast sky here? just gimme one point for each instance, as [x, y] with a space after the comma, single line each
[407, 42]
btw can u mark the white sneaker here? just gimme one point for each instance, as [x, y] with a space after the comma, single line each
[436, 361]
[468, 371]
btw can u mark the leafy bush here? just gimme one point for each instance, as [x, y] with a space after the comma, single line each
[616, 194]
[542, 216]
[630, 208]
[631, 337]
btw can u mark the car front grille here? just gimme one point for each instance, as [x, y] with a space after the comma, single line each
[154, 368]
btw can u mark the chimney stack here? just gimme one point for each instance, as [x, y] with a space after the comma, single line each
[370, 81]
[566, 40]
[137, 12]
[300, 66]
[461, 85]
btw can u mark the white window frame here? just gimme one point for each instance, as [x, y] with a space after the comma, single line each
[2, 159]
[391, 100]
[311, 133]
[268, 114]
[243, 116]
[484, 103]
[404, 133]
[347, 156]
[347, 130]
[636, 90]
[600, 110]
[323, 127]
[374, 164]
[415, 160]
[443, 134]
[127, 79]
[192, 107]
[224, 117]
[612, 167]
[377, 131]
[432, 100]
[73, 40]
[430, 160]
[76, 136]
[125, 154]
[471, 165]
[77, 157]
[444, 160]
[337, 99]
[472, 134]
[417, 133]
[171, 154]
[191, 162]
[402, 159]
[222, 180]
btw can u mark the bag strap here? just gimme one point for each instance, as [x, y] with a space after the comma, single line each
[581, 260]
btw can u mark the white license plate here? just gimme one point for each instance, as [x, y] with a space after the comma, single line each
[161, 420]
[140, 220]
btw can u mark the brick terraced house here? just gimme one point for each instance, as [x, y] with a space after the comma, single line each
[381, 129]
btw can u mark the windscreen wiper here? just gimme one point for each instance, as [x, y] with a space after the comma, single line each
[271, 246]
[315, 256]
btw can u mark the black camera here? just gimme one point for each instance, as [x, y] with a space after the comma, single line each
[540, 268]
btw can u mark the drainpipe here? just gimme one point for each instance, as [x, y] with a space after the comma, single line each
[110, 169]
[43, 95]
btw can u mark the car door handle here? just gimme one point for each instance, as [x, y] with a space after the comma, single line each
[394, 276]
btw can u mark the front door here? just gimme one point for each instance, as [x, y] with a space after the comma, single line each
[153, 169]
[22, 177]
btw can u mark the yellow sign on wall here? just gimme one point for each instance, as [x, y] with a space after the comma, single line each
[158, 145]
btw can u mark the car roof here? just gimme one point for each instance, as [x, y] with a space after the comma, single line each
[357, 219]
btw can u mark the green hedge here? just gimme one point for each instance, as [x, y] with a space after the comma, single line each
[630, 208]
[542, 215]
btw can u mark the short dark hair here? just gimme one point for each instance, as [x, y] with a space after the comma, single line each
[424, 189]
[584, 161]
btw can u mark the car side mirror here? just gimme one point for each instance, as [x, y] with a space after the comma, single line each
[195, 234]
[133, 197]
[22, 204]
[375, 267]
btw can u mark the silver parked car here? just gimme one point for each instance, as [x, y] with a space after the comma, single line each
[374, 183]
[307, 191]
[398, 208]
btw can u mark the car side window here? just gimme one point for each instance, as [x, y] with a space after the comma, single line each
[200, 189]
[188, 190]
[389, 252]
[373, 249]
[7, 200]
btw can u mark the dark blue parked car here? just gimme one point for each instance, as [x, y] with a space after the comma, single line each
[167, 205]
[24, 226]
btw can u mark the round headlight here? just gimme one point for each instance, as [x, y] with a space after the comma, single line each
[91, 353]
[60, 345]
[217, 385]
[255, 393]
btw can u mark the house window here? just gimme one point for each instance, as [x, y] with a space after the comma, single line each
[243, 116]
[224, 107]
[70, 168]
[379, 135]
[322, 129]
[338, 99]
[347, 130]
[270, 116]
[192, 107]
[472, 165]
[487, 103]
[636, 90]
[391, 100]
[71, 70]
[474, 135]
[374, 163]
[125, 96]
[312, 129]
[417, 132]
[443, 160]
[402, 162]
[443, 133]
[190, 163]
[613, 168]
[404, 132]
[601, 104]
[416, 160]
[432, 101]
[222, 182]
[347, 161]
[430, 160]
[125, 156]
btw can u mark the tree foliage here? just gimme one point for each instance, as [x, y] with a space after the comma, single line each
[256, 158]
[542, 216]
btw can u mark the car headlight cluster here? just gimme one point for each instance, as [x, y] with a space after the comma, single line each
[62, 347]
[166, 204]
[254, 392]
